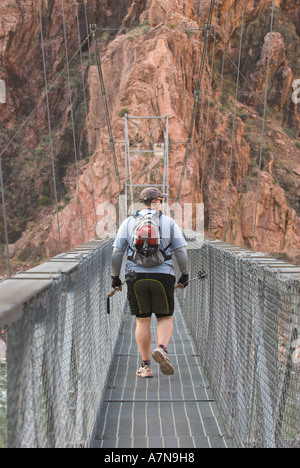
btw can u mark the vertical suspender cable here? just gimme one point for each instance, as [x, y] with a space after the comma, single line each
[128, 162]
[199, 128]
[197, 156]
[234, 117]
[263, 124]
[103, 92]
[208, 106]
[86, 110]
[14, 137]
[72, 116]
[98, 135]
[4, 216]
[196, 93]
[166, 161]
[219, 114]
[49, 124]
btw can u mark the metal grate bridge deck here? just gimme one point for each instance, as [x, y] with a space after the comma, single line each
[163, 412]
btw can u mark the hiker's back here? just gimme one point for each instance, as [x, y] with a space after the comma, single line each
[171, 238]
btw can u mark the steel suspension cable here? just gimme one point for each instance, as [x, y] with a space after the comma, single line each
[279, 127]
[41, 100]
[86, 112]
[49, 125]
[128, 162]
[234, 118]
[94, 104]
[198, 149]
[263, 124]
[103, 92]
[12, 139]
[196, 96]
[197, 155]
[105, 147]
[4, 216]
[208, 105]
[200, 121]
[219, 114]
[72, 118]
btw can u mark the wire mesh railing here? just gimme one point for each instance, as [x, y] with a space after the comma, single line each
[3, 406]
[245, 320]
[59, 354]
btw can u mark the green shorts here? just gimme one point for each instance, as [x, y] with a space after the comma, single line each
[151, 293]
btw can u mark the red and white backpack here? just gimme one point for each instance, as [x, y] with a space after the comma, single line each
[147, 249]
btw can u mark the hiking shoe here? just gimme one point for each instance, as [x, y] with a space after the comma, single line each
[145, 372]
[162, 358]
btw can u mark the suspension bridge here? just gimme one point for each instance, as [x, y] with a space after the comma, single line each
[69, 373]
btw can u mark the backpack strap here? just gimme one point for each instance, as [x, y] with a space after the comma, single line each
[163, 251]
[130, 257]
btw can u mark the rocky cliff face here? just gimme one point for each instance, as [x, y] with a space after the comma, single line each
[150, 67]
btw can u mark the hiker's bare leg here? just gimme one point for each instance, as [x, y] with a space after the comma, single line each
[165, 326]
[143, 337]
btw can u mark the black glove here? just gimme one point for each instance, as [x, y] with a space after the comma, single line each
[184, 280]
[116, 282]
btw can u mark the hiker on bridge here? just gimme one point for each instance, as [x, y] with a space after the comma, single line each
[149, 238]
